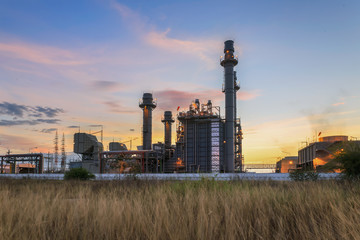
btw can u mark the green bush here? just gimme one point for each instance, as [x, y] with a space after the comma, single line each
[348, 160]
[78, 174]
[301, 175]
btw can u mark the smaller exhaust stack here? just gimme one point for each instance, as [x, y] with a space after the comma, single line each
[147, 104]
[167, 120]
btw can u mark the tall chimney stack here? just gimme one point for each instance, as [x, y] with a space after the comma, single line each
[167, 120]
[229, 62]
[147, 104]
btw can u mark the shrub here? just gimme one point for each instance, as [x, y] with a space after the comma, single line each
[78, 174]
[348, 160]
[301, 175]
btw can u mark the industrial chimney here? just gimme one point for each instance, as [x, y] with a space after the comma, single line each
[147, 104]
[228, 62]
[167, 120]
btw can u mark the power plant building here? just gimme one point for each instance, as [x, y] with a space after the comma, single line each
[205, 142]
[200, 138]
[88, 146]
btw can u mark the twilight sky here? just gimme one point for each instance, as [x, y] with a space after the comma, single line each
[65, 64]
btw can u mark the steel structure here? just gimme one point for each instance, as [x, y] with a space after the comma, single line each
[259, 166]
[36, 158]
[147, 159]
[56, 149]
[147, 104]
[200, 139]
[63, 154]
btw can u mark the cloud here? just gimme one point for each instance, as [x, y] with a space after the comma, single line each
[160, 39]
[248, 95]
[198, 48]
[27, 122]
[12, 109]
[40, 54]
[47, 111]
[338, 104]
[325, 119]
[105, 85]
[48, 130]
[95, 125]
[73, 126]
[171, 99]
[117, 108]
[28, 115]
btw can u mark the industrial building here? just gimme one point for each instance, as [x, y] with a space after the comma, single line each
[200, 138]
[287, 164]
[88, 146]
[317, 154]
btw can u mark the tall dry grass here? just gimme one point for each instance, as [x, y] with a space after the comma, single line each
[178, 210]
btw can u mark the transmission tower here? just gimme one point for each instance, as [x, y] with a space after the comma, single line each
[63, 154]
[56, 152]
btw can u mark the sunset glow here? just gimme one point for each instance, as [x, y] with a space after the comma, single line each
[298, 70]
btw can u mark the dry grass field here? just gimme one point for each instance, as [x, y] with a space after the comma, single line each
[179, 210]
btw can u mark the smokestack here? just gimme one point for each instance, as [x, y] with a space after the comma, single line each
[147, 104]
[229, 62]
[168, 120]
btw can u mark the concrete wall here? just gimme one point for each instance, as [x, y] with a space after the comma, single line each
[176, 176]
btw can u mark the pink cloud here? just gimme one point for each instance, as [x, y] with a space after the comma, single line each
[171, 99]
[115, 107]
[40, 54]
[160, 39]
[248, 95]
[338, 104]
[197, 48]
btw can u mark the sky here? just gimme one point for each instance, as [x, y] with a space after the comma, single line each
[70, 64]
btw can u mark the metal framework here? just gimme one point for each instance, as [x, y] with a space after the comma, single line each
[259, 166]
[37, 158]
[147, 158]
[199, 138]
